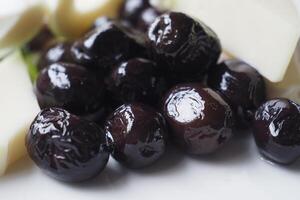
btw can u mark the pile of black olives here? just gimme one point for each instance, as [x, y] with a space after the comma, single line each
[131, 86]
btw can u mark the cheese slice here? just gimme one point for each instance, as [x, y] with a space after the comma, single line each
[20, 21]
[289, 87]
[263, 33]
[18, 107]
[71, 19]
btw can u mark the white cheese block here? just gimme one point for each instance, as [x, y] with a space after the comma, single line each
[289, 87]
[18, 107]
[71, 19]
[20, 21]
[263, 33]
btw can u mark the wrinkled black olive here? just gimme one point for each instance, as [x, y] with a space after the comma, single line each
[136, 80]
[187, 46]
[276, 130]
[138, 135]
[66, 147]
[71, 87]
[57, 52]
[200, 120]
[241, 85]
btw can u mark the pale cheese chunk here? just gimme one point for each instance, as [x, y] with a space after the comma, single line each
[18, 107]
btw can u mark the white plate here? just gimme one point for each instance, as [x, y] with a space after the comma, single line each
[235, 172]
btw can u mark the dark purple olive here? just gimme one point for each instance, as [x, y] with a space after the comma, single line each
[57, 52]
[131, 10]
[146, 18]
[66, 147]
[136, 80]
[83, 57]
[200, 120]
[187, 46]
[139, 14]
[138, 133]
[108, 44]
[71, 87]
[241, 85]
[276, 130]
[40, 41]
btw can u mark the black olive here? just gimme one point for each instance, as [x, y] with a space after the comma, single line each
[138, 14]
[40, 41]
[188, 47]
[83, 57]
[108, 45]
[147, 17]
[276, 130]
[136, 80]
[66, 147]
[71, 87]
[241, 85]
[56, 52]
[131, 10]
[138, 133]
[200, 120]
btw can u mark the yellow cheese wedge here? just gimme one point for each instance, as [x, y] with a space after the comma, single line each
[71, 20]
[18, 107]
[20, 25]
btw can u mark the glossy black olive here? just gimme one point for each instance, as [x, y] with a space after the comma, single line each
[138, 133]
[57, 52]
[187, 46]
[200, 120]
[276, 130]
[71, 87]
[136, 80]
[139, 14]
[109, 44]
[241, 85]
[146, 18]
[66, 147]
[82, 56]
[40, 41]
[131, 10]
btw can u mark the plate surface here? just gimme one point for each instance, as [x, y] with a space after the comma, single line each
[235, 172]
